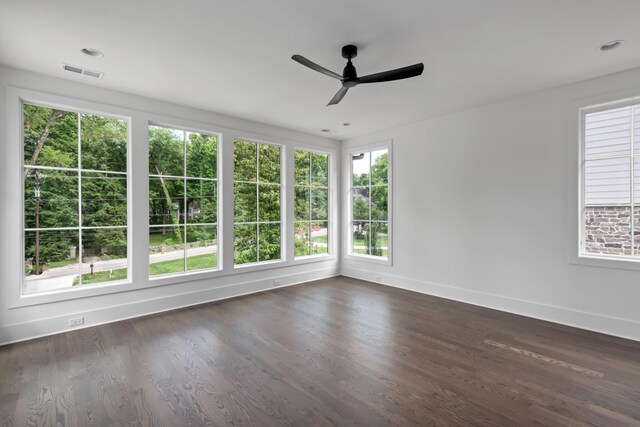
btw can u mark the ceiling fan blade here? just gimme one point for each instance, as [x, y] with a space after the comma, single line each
[338, 96]
[304, 61]
[397, 74]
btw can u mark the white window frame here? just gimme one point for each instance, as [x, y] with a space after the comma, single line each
[348, 229]
[330, 217]
[576, 158]
[16, 98]
[283, 199]
[166, 278]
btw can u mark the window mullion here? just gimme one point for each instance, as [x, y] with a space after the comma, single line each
[632, 164]
[184, 197]
[80, 244]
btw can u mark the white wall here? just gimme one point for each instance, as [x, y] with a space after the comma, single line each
[21, 323]
[485, 208]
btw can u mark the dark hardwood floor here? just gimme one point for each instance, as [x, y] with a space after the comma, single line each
[333, 352]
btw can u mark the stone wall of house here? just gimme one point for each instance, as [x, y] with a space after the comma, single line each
[607, 230]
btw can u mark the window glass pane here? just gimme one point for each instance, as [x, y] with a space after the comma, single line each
[608, 133]
[636, 129]
[104, 199]
[166, 201]
[202, 249]
[269, 242]
[269, 203]
[104, 143]
[607, 181]
[245, 202]
[301, 238]
[166, 151]
[379, 239]
[201, 201]
[166, 250]
[50, 137]
[319, 237]
[379, 203]
[359, 234]
[104, 255]
[246, 242]
[360, 203]
[53, 195]
[302, 167]
[201, 155]
[379, 167]
[302, 204]
[51, 260]
[319, 170]
[245, 161]
[269, 163]
[607, 230]
[360, 169]
[320, 204]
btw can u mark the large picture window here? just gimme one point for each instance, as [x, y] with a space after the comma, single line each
[369, 204]
[611, 182]
[311, 203]
[75, 199]
[257, 213]
[183, 197]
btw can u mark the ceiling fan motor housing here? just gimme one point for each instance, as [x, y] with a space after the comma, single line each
[349, 74]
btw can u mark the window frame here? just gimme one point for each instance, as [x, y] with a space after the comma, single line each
[170, 278]
[331, 236]
[16, 98]
[576, 204]
[348, 202]
[284, 254]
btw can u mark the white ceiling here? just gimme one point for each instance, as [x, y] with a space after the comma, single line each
[233, 57]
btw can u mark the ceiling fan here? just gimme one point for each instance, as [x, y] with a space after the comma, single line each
[349, 77]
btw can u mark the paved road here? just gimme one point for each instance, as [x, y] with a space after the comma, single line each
[114, 264]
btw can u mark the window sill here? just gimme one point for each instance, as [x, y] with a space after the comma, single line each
[606, 262]
[369, 258]
[61, 295]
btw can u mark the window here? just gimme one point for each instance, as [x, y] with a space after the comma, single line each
[257, 214]
[75, 199]
[183, 195]
[611, 182]
[369, 204]
[311, 203]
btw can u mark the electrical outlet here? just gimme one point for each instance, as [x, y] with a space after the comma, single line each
[277, 282]
[76, 321]
[378, 278]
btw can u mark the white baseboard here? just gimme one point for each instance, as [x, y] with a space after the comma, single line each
[58, 324]
[623, 328]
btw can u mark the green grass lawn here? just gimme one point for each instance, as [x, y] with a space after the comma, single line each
[103, 276]
[198, 262]
[319, 239]
[382, 241]
[363, 251]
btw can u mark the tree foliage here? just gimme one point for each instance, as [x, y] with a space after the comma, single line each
[51, 139]
[370, 199]
[257, 210]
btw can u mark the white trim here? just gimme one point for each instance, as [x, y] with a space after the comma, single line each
[283, 202]
[347, 208]
[576, 190]
[624, 328]
[185, 178]
[15, 100]
[330, 204]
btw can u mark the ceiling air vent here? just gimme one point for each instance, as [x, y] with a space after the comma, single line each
[83, 71]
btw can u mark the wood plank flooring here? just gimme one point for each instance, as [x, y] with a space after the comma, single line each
[334, 352]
